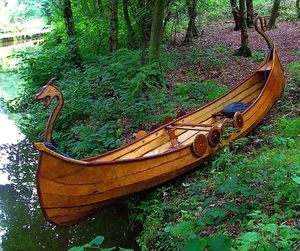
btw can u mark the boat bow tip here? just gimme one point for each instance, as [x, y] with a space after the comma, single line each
[40, 146]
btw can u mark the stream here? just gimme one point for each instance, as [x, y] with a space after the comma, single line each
[22, 225]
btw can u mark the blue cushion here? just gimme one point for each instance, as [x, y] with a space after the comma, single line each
[230, 110]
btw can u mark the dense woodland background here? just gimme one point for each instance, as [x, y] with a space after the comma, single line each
[126, 65]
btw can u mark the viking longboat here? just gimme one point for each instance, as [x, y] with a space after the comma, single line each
[70, 190]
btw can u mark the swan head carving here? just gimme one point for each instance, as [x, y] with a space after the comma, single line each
[48, 92]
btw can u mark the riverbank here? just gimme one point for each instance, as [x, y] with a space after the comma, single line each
[116, 96]
[21, 218]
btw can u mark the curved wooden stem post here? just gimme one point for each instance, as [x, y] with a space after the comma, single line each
[47, 94]
[260, 29]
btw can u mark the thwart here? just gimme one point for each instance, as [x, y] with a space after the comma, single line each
[69, 190]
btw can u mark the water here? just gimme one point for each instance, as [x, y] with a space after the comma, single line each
[22, 225]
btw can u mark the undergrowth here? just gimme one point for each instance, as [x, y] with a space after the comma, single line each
[239, 201]
[246, 198]
[107, 101]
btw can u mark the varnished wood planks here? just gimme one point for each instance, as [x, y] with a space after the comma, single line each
[204, 115]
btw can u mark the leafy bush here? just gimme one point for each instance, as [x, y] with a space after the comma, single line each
[237, 202]
[107, 102]
[96, 244]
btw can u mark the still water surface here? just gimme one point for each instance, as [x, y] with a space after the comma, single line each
[22, 225]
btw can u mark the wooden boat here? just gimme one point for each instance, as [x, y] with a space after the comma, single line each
[70, 190]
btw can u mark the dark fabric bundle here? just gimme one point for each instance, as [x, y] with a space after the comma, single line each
[230, 110]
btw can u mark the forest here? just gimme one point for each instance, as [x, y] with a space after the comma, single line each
[128, 65]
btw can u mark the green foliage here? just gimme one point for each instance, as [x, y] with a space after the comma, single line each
[294, 68]
[258, 55]
[257, 196]
[266, 233]
[23, 15]
[287, 9]
[193, 94]
[96, 244]
[116, 94]
[289, 128]
[120, 96]
[41, 63]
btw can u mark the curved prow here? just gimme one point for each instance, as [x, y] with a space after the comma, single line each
[260, 29]
[47, 94]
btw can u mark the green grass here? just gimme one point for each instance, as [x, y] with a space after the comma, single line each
[245, 198]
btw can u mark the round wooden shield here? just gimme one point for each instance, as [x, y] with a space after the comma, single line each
[200, 145]
[154, 127]
[224, 125]
[140, 134]
[238, 120]
[214, 136]
[167, 120]
[180, 114]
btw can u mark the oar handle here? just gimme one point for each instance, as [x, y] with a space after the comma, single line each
[260, 29]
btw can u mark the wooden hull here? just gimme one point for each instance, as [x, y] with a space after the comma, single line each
[70, 190]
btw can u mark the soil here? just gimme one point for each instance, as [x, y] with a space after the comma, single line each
[237, 68]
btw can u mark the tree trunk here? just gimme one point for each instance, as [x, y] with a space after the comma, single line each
[113, 24]
[192, 29]
[274, 14]
[250, 13]
[298, 8]
[236, 15]
[130, 31]
[144, 19]
[156, 30]
[69, 22]
[244, 50]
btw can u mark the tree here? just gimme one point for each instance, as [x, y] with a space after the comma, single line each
[244, 50]
[191, 31]
[274, 14]
[114, 26]
[235, 13]
[250, 13]
[298, 8]
[70, 27]
[130, 31]
[143, 16]
[156, 30]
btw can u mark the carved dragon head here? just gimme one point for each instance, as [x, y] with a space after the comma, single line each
[48, 92]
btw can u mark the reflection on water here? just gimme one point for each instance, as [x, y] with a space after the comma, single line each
[22, 225]
[9, 85]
